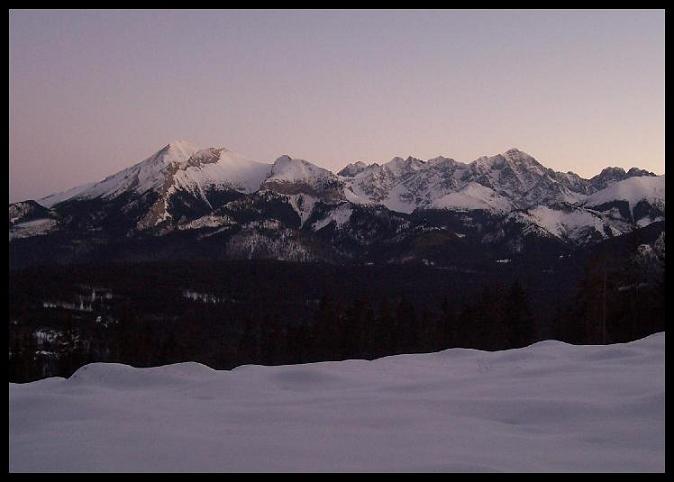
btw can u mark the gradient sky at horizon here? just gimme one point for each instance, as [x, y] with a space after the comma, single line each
[93, 92]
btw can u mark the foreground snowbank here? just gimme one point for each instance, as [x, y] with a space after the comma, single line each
[548, 407]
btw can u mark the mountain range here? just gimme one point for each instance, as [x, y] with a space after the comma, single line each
[184, 202]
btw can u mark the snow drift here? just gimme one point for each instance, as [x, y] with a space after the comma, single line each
[547, 407]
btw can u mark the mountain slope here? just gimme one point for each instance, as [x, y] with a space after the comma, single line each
[407, 184]
[177, 183]
[147, 175]
[496, 206]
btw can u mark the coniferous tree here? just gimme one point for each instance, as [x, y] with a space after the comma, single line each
[384, 329]
[369, 338]
[465, 325]
[518, 318]
[298, 344]
[448, 325]
[352, 335]
[592, 304]
[326, 336]
[488, 331]
[251, 341]
[406, 326]
[429, 337]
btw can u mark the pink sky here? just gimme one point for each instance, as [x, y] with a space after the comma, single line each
[94, 92]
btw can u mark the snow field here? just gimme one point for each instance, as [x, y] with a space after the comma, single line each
[548, 407]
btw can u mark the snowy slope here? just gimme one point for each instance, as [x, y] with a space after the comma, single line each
[632, 190]
[177, 171]
[611, 175]
[288, 169]
[473, 196]
[181, 187]
[548, 407]
[214, 168]
[499, 183]
[516, 179]
[569, 224]
[177, 166]
[58, 197]
[35, 227]
[293, 176]
[303, 184]
[338, 216]
[147, 175]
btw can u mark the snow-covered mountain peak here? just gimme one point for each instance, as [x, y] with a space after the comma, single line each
[511, 158]
[514, 153]
[177, 165]
[400, 167]
[352, 169]
[217, 155]
[149, 174]
[612, 171]
[206, 156]
[441, 160]
[303, 183]
[176, 151]
[181, 182]
[632, 190]
[182, 144]
[218, 168]
[488, 163]
[407, 184]
[288, 169]
[216, 192]
[612, 175]
[636, 200]
[473, 196]
[635, 171]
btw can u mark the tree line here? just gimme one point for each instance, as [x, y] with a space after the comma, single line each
[612, 302]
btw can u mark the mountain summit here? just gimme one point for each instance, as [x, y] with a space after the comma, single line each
[294, 209]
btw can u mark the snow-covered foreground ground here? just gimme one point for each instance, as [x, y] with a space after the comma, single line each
[548, 407]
